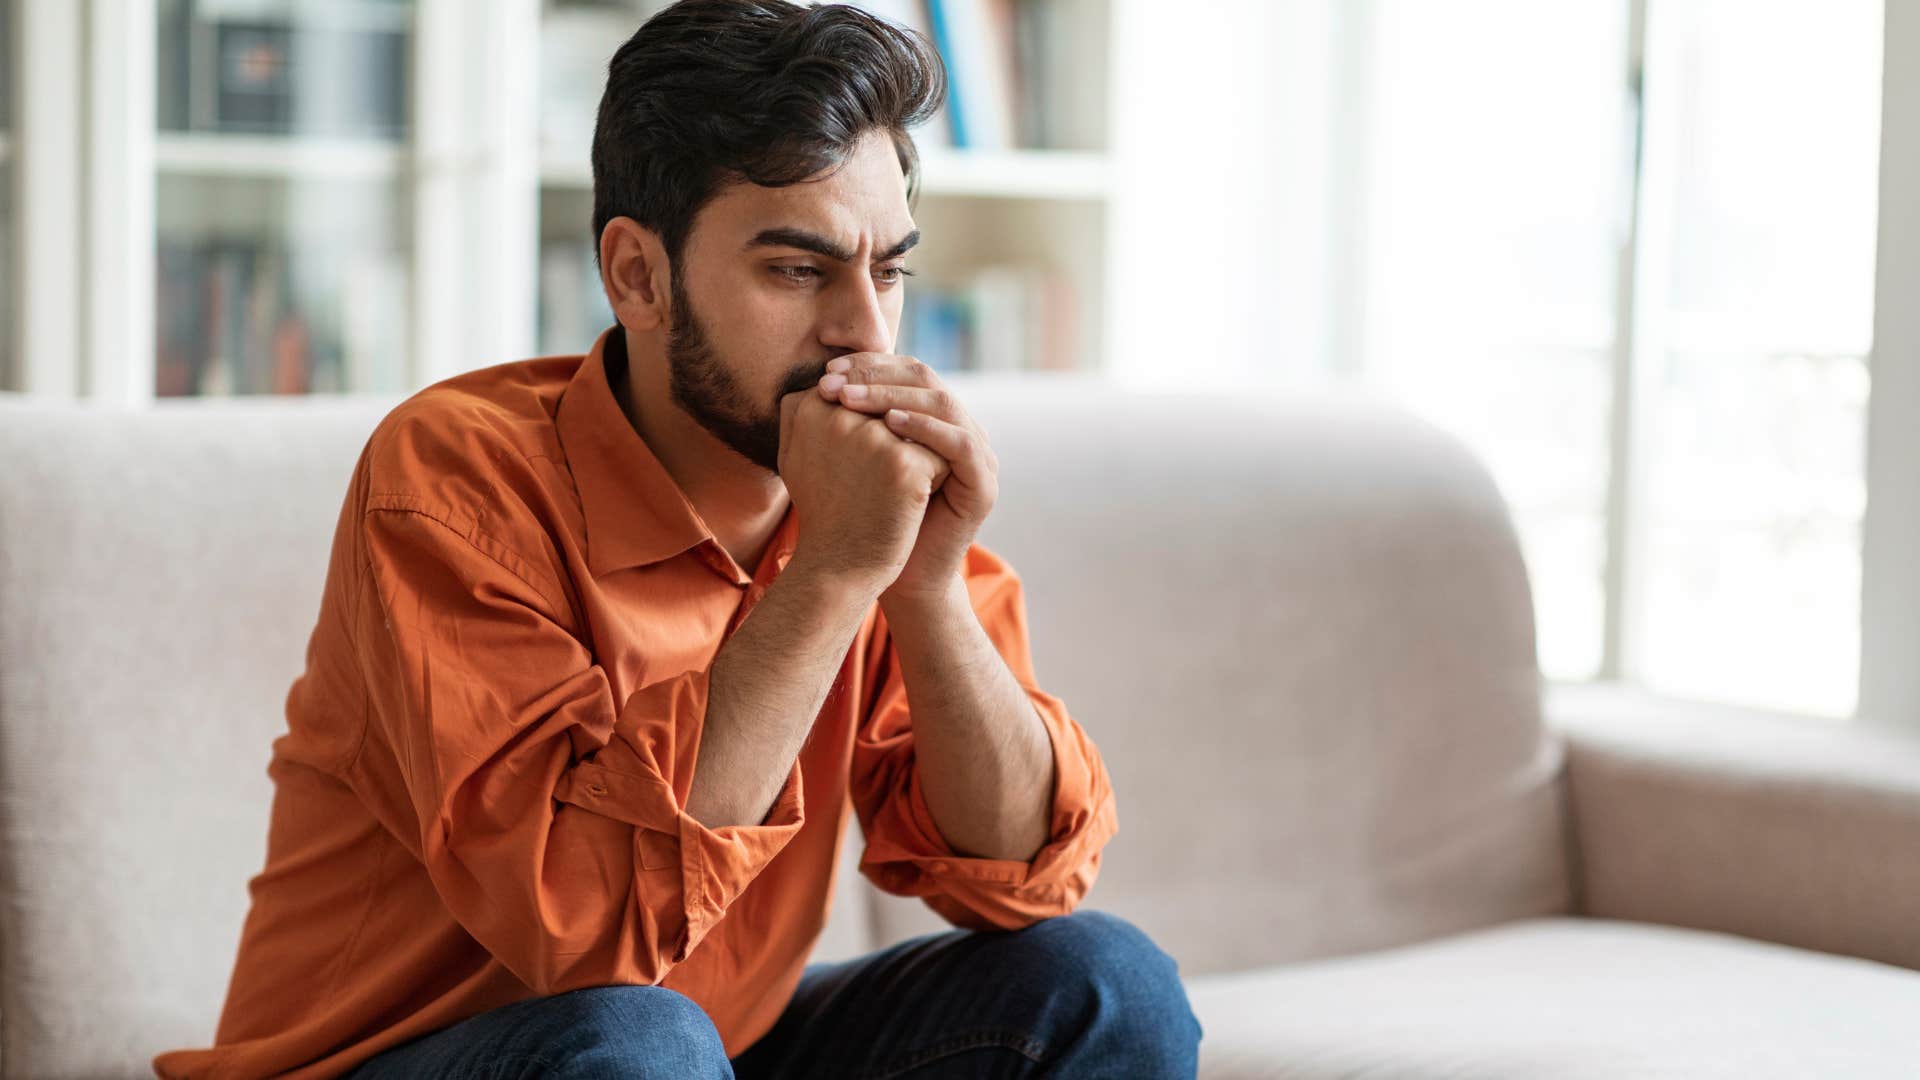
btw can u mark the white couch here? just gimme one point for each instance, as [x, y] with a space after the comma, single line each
[1298, 627]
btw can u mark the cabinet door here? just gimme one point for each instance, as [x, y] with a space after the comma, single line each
[576, 42]
[282, 203]
[9, 371]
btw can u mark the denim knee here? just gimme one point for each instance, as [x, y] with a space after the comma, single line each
[633, 1031]
[1122, 974]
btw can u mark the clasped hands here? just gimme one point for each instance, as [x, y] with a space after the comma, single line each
[914, 404]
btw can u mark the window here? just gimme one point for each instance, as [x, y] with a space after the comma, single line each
[1660, 354]
[1755, 316]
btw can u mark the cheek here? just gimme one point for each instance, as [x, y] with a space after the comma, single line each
[769, 329]
[767, 337]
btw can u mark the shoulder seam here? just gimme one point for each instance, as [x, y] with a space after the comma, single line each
[480, 540]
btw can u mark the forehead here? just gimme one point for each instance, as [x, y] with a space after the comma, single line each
[861, 204]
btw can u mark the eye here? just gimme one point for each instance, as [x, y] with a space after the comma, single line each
[796, 273]
[900, 273]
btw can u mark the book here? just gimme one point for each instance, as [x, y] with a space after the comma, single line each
[979, 99]
[341, 69]
[998, 318]
[911, 15]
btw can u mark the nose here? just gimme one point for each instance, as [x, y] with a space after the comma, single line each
[855, 318]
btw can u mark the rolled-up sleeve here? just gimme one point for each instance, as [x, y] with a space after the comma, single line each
[906, 855]
[550, 817]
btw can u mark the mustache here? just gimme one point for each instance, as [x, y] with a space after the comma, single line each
[801, 377]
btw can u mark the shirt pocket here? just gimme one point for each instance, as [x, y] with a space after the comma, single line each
[658, 850]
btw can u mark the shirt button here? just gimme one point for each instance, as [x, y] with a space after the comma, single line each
[941, 866]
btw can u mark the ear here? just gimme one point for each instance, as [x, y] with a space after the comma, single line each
[635, 274]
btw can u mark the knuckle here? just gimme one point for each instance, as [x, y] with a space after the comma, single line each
[876, 435]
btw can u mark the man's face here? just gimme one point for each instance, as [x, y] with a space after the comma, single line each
[775, 282]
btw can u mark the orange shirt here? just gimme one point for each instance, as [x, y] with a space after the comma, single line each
[480, 795]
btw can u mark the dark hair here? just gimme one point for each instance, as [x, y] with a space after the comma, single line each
[709, 92]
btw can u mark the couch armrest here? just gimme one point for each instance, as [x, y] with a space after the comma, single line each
[1795, 830]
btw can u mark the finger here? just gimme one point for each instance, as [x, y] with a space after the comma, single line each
[879, 397]
[851, 361]
[835, 383]
[843, 364]
[881, 368]
[937, 464]
[789, 404]
[935, 400]
[964, 451]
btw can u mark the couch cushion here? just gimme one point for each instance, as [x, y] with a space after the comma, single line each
[1565, 998]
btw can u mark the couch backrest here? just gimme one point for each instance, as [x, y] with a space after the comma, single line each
[1297, 628]
[159, 574]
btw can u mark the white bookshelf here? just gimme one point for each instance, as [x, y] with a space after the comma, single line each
[1017, 174]
[7, 269]
[981, 174]
[449, 220]
[280, 158]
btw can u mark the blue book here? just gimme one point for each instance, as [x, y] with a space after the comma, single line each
[939, 16]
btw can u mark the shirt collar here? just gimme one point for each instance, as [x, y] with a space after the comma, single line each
[635, 513]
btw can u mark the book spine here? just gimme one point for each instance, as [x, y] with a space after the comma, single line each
[938, 15]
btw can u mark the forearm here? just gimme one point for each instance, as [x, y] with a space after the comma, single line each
[985, 761]
[767, 684]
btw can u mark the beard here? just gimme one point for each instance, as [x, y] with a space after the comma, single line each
[706, 389]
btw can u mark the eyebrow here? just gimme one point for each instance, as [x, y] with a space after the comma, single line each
[820, 245]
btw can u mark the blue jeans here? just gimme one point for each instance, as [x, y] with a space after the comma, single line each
[1081, 995]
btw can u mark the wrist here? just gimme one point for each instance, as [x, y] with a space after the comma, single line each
[831, 586]
[900, 600]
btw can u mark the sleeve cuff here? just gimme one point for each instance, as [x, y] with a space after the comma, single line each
[655, 737]
[1081, 820]
[717, 865]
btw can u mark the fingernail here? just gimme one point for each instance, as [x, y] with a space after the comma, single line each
[855, 392]
[833, 382]
[839, 363]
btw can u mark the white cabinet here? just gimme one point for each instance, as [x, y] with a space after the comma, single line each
[7, 319]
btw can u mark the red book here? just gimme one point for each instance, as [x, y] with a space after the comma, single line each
[291, 370]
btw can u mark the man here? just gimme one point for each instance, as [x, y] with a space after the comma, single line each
[608, 642]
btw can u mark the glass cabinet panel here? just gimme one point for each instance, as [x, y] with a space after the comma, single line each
[577, 39]
[9, 373]
[282, 207]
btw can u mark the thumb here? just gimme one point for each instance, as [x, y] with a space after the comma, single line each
[789, 404]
